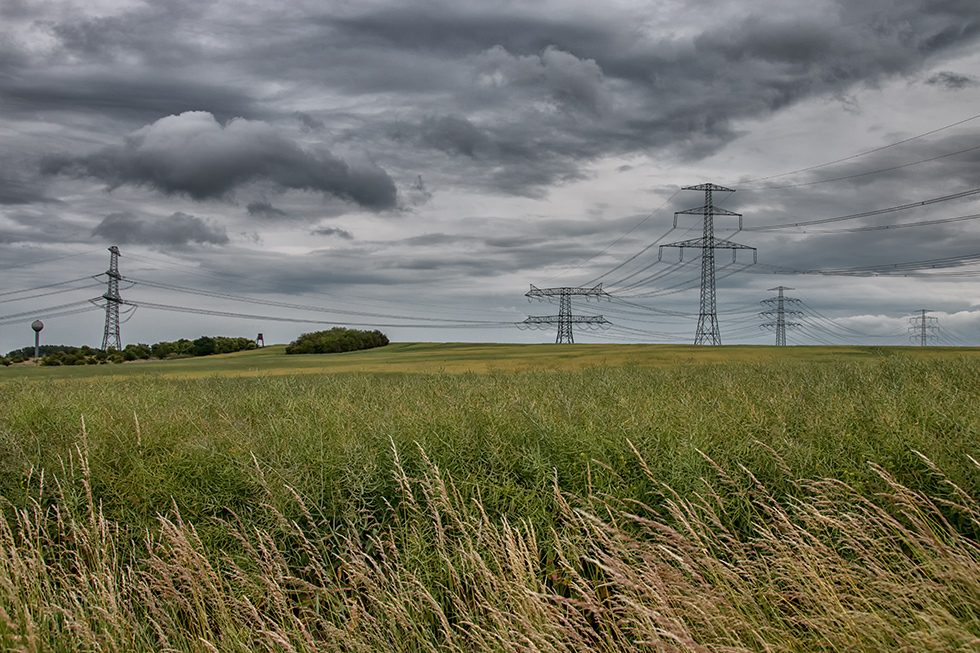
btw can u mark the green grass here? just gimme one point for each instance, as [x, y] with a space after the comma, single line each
[468, 357]
[450, 497]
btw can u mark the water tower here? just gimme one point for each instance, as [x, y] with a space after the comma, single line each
[37, 325]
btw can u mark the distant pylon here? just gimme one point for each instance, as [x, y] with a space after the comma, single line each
[112, 301]
[780, 314]
[708, 331]
[922, 327]
[564, 319]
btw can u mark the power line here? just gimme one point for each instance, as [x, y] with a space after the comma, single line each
[47, 260]
[865, 214]
[909, 268]
[302, 307]
[901, 225]
[45, 286]
[860, 154]
[200, 311]
[615, 242]
[43, 312]
[870, 172]
[278, 287]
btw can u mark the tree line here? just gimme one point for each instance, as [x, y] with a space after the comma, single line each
[85, 355]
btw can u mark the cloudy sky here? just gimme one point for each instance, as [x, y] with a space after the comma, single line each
[414, 166]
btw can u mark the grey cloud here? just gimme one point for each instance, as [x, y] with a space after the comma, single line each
[17, 189]
[32, 226]
[132, 96]
[529, 99]
[434, 239]
[308, 121]
[453, 135]
[264, 209]
[952, 81]
[573, 84]
[192, 154]
[178, 229]
[333, 231]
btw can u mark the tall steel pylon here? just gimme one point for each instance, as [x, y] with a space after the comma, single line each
[565, 319]
[922, 327]
[780, 314]
[112, 302]
[708, 331]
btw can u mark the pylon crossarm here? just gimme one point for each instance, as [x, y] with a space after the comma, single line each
[693, 243]
[709, 186]
[542, 319]
[547, 293]
[708, 210]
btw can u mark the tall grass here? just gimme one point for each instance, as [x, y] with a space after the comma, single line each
[727, 508]
[830, 571]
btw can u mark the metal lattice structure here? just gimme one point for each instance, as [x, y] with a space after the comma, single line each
[112, 301]
[708, 330]
[779, 315]
[564, 320]
[922, 328]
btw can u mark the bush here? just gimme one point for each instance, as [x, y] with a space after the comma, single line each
[137, 352]
[336, 340]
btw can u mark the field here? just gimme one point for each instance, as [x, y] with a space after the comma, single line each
[495, 497]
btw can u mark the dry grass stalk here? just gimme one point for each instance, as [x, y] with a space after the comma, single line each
[832, 571]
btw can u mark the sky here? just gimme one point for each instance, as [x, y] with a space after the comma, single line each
[415, 166]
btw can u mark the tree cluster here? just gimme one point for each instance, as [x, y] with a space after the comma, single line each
[336, 340]
[85, 355]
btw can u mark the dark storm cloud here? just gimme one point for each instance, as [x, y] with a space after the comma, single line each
[537, 99]
[192, 154]
[129, 95]
[952, 81]
[263, 208]
[178, 229]
[528, 98]
[453, 135]
[135, 65]
[16, 188]
[518, 158]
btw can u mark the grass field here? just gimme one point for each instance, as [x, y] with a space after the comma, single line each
[479, 358]
[495, 497]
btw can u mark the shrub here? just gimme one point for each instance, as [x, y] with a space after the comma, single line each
[336, 340]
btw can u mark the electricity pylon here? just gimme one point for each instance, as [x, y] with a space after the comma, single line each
[780, 314]
[112, 302]
[922, 327]
[708, 331]
[565, 319]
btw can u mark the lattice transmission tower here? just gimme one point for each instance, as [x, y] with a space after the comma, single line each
[922, 328]
[565, 319]
[112, 301]
[708, 331]
[779, 313]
